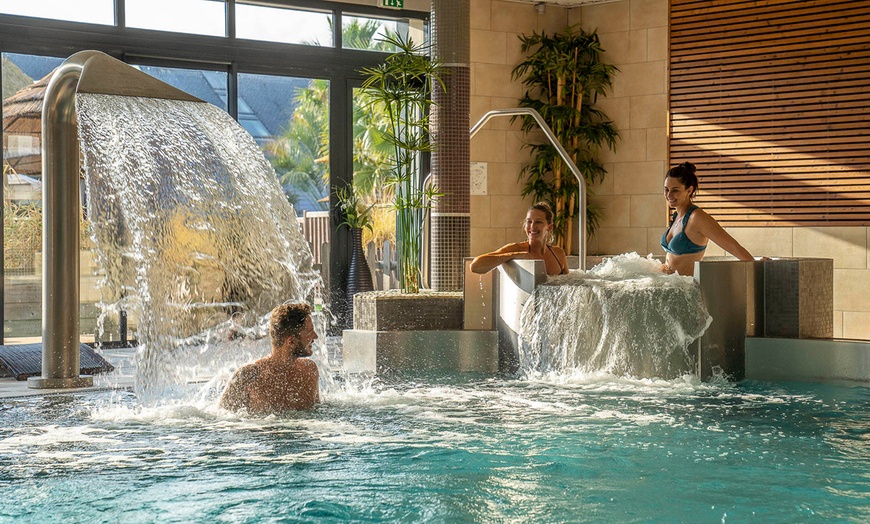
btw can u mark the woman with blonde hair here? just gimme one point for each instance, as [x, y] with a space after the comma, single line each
[538, 227]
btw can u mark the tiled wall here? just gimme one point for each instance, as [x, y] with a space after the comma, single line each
[848, 246]
[495, 50]
[634, 35]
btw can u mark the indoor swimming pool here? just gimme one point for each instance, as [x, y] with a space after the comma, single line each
[449, 448]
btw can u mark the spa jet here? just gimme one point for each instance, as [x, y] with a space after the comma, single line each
[83, 72]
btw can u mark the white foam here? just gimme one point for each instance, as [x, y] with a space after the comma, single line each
[623, 317]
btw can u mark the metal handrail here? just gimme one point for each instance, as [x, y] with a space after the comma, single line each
[581, 182]
[426, 270]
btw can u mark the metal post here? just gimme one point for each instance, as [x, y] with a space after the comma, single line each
[581, 181]
[84, 72]
[60, 234]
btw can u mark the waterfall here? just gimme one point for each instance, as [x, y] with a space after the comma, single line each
[622, 317]
[195, 235]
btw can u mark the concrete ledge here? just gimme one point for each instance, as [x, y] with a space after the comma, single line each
[807, 360]
[379, 351]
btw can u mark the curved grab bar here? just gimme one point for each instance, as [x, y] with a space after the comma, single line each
[581, 182]
[426, 270]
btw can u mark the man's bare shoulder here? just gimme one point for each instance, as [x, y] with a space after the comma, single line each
[305, 364]
[247, 373]
[236, 395]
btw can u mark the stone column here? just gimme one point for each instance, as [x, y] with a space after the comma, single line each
[451, 221]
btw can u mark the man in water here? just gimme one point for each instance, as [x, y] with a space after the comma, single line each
[285, 380]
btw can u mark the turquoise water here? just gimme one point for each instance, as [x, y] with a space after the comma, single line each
[449, 448]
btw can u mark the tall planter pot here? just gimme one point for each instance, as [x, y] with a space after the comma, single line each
[359, 278]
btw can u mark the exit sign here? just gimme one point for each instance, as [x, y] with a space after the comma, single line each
[395, 4]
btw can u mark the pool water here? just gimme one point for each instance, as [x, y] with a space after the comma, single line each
[449, 448]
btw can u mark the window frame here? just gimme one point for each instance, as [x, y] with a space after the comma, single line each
[340, 66]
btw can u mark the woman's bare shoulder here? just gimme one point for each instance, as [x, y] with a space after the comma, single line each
[702, 221]
[558, 250]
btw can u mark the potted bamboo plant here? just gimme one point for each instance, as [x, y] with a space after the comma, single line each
[564, 75]
[401, 88]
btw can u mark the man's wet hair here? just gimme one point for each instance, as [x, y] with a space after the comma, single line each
[287, 321]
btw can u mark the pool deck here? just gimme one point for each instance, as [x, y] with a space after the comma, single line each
[124, 374]
[123, 377]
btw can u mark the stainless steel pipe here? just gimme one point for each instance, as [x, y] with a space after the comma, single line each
[91, 72]
[60, 234]
[563, 154]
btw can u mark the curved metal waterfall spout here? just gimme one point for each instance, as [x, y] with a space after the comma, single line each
[581, 182]
[83, 72]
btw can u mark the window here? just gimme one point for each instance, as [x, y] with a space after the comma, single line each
[198, 17]
[289, 26]
[360, 32]
[89, 11]
[289, 118]
[295, 100]
[209, 86]
[24, 80]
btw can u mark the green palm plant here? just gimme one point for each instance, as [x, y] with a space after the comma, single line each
[300, 155]
[401, 87]
[357, 214]
[373, 154]
[564, 75]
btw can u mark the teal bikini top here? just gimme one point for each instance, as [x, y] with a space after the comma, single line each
[680, 243]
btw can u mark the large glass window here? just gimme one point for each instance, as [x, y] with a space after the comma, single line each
[24, 81]
[289, 26]
[372, 163]
[286, 107]
[90, 11]
[198, 17]
[367, 33]
[209, 86]
[289, 118]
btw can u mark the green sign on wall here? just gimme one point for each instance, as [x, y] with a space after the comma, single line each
[397, 4]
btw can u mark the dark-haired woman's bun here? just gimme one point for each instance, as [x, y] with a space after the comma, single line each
[688, 165]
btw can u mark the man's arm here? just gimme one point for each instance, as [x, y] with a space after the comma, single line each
[237, 394]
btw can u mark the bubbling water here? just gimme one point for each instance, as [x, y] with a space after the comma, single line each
[193, 231]
[622, 317]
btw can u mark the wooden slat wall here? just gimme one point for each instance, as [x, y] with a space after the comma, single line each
[771, 101]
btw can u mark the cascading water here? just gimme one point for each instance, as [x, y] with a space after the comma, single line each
[622, 317]
[194, 233]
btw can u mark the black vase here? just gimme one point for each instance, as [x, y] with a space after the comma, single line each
[359, 278]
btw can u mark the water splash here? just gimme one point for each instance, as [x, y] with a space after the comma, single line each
[623, 317]
[194, 233]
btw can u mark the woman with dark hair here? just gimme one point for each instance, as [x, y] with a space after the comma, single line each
[538, 228]
[691, 227]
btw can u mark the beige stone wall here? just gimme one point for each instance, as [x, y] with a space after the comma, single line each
[496, 217]
[848, 246]
[634, 35]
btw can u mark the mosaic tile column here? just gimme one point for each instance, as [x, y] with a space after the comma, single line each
[451, 221]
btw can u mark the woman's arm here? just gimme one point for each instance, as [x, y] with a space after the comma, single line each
[711, 229]
[489, 261]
